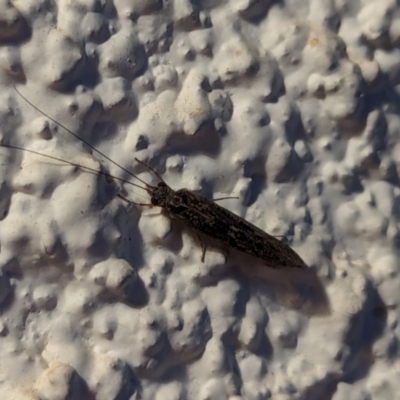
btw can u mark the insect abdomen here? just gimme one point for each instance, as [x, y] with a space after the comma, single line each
[218, 223]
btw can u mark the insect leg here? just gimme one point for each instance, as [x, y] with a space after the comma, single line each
[203, 248]
[225, 198]
[132, 202]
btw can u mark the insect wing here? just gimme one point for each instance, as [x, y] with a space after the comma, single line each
[218, 223]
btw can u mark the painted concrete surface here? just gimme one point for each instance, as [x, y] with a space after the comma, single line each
[292, 107]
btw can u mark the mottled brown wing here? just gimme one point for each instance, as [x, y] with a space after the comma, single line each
[209, 218]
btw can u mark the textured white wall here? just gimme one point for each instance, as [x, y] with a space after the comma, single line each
[293, 106]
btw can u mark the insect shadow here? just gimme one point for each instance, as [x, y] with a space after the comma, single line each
[297, 289]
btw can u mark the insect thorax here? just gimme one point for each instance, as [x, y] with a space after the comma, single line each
[160, 194]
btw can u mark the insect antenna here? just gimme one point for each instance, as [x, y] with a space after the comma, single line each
[151, 169]
[82, 140]
[92, 170]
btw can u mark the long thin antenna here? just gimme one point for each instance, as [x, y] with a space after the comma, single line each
[81, 139]
[8, 146]
[151, 169]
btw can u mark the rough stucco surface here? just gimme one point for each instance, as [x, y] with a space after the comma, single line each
[291, 106]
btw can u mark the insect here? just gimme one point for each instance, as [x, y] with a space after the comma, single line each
[206, 217]
[201, 214]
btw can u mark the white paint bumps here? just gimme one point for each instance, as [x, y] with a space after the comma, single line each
[290, 106]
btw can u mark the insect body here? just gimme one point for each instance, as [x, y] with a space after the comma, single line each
[203, 215]
[207, 217]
